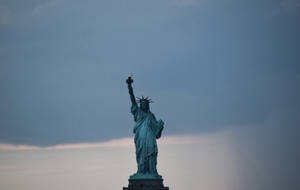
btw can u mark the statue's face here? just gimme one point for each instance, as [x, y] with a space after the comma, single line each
[144, 106]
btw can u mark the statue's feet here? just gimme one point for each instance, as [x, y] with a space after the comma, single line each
[145, 176]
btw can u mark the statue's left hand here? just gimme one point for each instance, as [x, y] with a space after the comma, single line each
[160, 122]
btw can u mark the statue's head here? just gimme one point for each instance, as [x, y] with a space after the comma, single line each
[144, 103]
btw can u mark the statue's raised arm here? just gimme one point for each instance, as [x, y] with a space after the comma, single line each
[129, 81]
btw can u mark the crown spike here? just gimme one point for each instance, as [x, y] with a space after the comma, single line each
[146, 99]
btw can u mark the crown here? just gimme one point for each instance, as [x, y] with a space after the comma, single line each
[144, 99]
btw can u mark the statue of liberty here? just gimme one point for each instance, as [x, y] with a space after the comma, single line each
[147, 129]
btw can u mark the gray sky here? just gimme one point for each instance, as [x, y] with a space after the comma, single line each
[208, 66]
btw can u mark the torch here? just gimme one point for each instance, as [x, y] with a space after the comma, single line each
[129, 79]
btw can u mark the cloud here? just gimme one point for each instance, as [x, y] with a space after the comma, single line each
[58, 92]
[260, 157]
[121, 142]
[268, 152]
[207, 157]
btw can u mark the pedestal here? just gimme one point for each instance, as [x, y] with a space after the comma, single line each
[145, 184]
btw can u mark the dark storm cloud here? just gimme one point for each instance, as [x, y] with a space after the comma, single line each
[269, 152]
[206, 65]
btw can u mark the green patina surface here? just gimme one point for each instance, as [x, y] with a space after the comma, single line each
[147, 129]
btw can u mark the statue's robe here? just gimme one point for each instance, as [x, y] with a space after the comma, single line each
[147, 129]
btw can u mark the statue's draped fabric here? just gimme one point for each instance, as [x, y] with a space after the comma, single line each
[147, 129]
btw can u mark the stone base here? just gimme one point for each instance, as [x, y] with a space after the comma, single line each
[145, 184]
